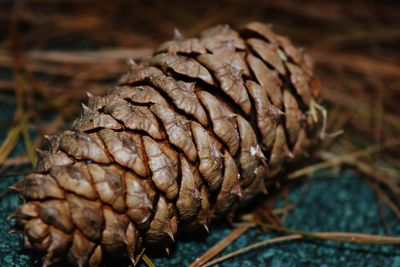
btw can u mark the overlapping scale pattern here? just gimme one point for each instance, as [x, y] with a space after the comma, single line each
[184, 137]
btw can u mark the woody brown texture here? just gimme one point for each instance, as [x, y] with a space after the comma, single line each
[186, 136]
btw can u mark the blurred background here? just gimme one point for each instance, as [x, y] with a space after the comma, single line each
[53, 52]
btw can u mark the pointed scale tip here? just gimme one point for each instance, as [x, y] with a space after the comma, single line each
[132, 259]
[131, 63]
[170, 234]
[264, 190]
[275, 112]
[177, 34]
[240, 194]
[47, 259]
[259, 153]
[139, 256]
[290, 154]
[131, 252]
[14, 230]
[10, 217]
[206, 227]
[86, 109]
[15, 187]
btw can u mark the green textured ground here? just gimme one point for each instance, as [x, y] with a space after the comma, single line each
[342, 202]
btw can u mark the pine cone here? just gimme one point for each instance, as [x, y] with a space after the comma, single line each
[187, 136]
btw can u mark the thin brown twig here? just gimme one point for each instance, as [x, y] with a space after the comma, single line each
[221, 245]
[358, 63]
[251, 247]
[385, 199]
[368, 170]
[357, 238]
[343, 158]
[104, 56]
[15, 161]
[5, 192]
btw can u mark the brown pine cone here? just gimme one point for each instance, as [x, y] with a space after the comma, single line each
[186, 136]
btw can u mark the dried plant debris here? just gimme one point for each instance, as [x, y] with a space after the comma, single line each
[185, 137]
